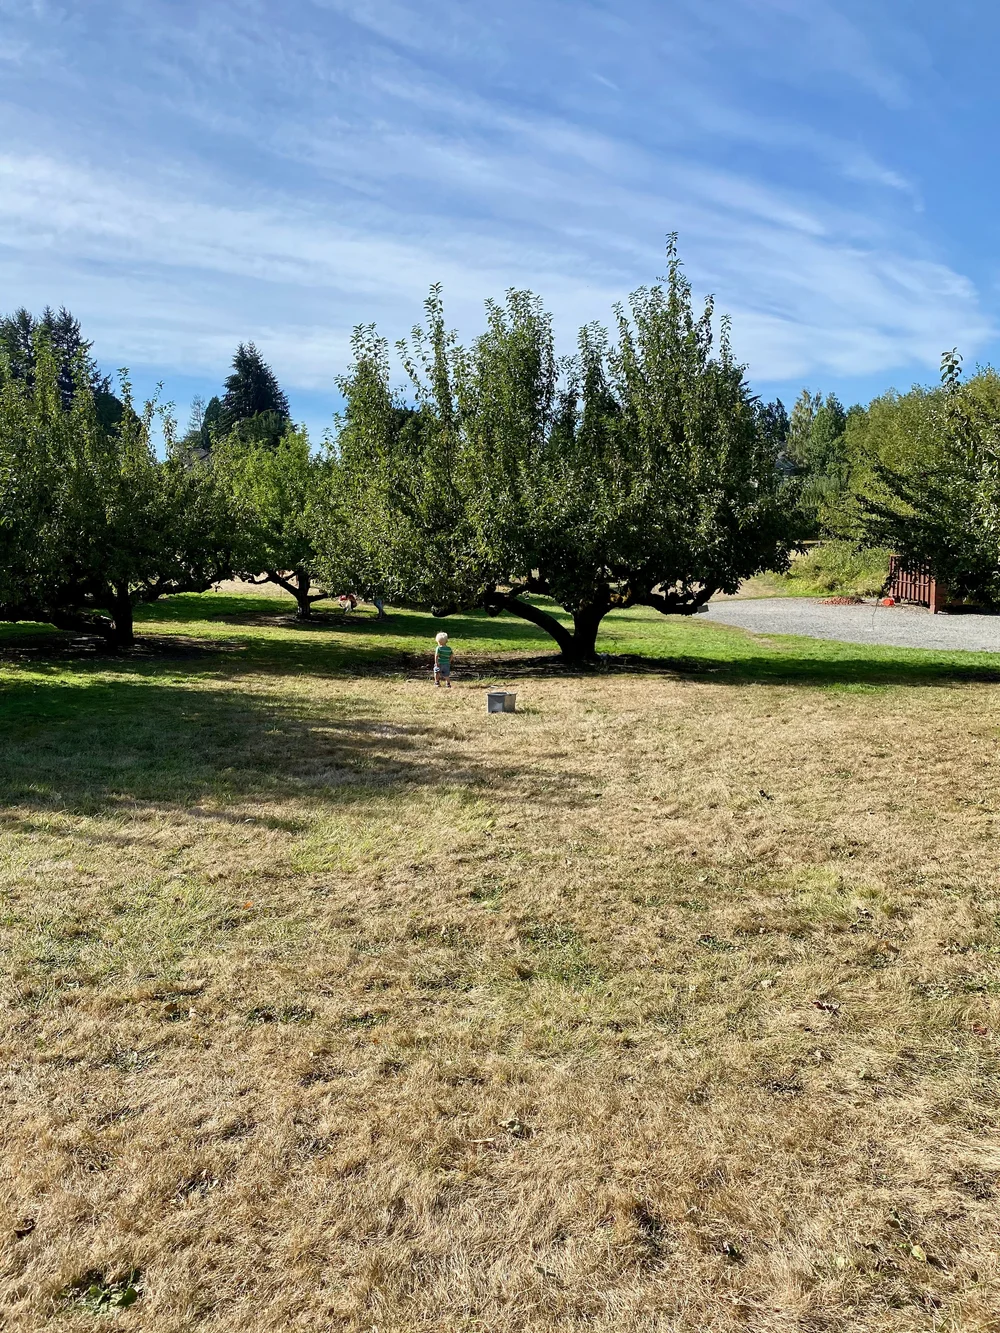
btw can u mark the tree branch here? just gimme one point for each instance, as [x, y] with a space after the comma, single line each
[274, 577]
[526, 611]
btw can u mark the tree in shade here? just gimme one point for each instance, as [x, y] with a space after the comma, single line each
[211, 421]
[274, 492]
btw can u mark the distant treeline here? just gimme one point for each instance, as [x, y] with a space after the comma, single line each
[640, 470]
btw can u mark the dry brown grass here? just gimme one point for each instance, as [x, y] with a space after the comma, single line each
[661, 1005]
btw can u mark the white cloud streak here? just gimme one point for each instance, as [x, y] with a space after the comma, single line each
[183, 279]
[397, 153]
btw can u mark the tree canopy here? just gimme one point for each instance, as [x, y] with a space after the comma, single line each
[20, 335]
[638, 472]
[91, 522]
[817, 453]
[935, 492]
[275, 490]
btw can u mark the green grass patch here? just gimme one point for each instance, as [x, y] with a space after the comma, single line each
[828, 569]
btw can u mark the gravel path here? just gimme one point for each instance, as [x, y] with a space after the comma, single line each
[893, 626]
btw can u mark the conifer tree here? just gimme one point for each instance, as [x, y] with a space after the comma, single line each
[74, 361]
[211, 421]
[76, 368]
[252, 391]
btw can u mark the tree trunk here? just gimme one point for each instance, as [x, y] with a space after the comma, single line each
[298, 584]
[538, 617]
[580, 645]
[303, 602]
[122, 627]
[586, 623]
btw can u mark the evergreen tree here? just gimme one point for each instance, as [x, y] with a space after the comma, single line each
[826, 438]
[252, 390]
[203, 427]
[778, 425]
[800, 428]
[211, 422]
[71, 350]
[17, 342]
[20, 334]
[817, 451]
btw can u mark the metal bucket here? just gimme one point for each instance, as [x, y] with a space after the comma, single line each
[498, 701]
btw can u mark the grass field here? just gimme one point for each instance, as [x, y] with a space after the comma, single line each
[331, 1002]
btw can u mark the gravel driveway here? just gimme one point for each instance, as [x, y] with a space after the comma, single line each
[893, 626]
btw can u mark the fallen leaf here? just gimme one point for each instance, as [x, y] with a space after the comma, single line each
[918, 1253]
[827, 1006]
[979, 1030]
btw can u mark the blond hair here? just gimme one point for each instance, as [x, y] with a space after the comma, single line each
[441, 637]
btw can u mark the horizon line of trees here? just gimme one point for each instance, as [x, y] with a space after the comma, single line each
[639, 470]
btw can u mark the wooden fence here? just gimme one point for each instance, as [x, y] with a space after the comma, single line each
[914, 585]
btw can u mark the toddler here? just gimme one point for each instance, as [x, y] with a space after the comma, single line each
[442, 661]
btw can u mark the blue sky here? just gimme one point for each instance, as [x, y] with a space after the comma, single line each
[184, 174]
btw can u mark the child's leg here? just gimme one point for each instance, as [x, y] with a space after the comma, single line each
[437, 678]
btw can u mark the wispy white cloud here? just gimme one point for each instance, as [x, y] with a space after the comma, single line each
[220, 171]
[185, 278]
[802, 40]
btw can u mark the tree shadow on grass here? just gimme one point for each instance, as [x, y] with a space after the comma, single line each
[789, 669]
[401, 622]
[403, 646]
[95, 744]
[718, 653]
[787, 666]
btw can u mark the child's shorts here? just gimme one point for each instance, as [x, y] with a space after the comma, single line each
[442, 671]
